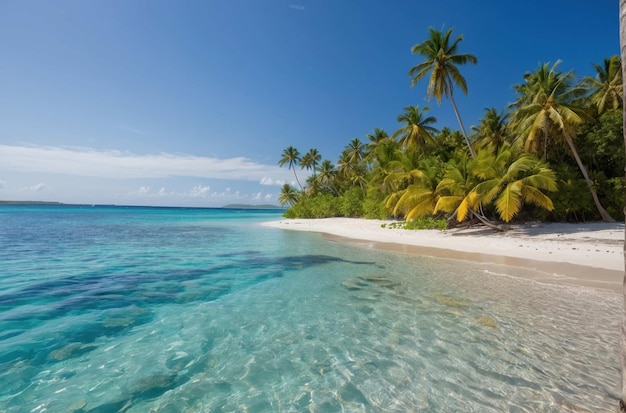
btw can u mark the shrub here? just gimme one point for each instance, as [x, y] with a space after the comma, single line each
[320, 206]
[374, 204]
[425, 222]
[351, 204]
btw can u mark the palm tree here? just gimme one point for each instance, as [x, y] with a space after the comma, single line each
[505, 179]
[421, 196]
[447, 142]
[511, 181]
[492, 130]
[288, 195]
[417, 132]
[356, 151]
[622, 31]
[382, 160]
[607, 86]
[326, 176]
[458, 181]
[376, 139]
[310, 160]
[441, 62]
[291, 156]
[546, 108]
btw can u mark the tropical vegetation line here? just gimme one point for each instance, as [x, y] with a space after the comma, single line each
[555, 154]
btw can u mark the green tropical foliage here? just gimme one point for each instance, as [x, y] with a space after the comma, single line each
[606, 87]
[288, 195]
[492, 131]
[508, 181]
[310, 160]
[417, 132]
[555, 154]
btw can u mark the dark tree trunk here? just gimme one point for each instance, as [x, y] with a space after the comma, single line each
[622, 37]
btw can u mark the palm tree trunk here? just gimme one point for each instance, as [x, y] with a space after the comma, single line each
[458, 117]
[622, 25]
[297, 180]
[606, 217]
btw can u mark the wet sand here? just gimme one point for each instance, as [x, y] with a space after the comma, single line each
[589, 254]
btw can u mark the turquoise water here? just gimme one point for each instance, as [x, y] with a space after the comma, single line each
[107, 309]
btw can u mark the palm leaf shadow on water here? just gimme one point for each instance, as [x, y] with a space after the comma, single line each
[122, 300]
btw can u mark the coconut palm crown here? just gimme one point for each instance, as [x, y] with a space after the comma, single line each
[441, 61]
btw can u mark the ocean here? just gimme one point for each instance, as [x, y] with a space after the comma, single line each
[131, 309]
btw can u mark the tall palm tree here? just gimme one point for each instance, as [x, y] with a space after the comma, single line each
[416, 133]
[607, 86]
[288, 195]
[291, 156]
[441, 62]
[622, 38]
[492, 130]
[310, 160]
[546, 108]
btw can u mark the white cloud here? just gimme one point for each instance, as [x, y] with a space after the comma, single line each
[269, 181]
[35, 188]
[199, 191]
[296, 6]
[3, 184]
[87, 162]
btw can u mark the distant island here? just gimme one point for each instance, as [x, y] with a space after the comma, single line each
[30, 203]
[229, 206]
[246, 206]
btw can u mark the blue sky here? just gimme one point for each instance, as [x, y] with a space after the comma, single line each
[191, 103]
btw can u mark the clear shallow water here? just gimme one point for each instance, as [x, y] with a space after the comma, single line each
[173, 310]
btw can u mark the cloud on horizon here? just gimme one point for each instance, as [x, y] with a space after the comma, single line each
[198, 192]
[113, 164]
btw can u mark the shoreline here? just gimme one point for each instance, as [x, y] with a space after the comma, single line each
[588, 255]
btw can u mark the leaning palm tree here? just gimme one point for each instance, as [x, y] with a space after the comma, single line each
[606, 86]
[416, 134]
[291, 156]
[510, 182]
[288, 195]
[441, 62]
[504, 179]
[547, 108]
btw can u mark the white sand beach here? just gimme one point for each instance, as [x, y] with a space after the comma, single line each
[589, 254]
